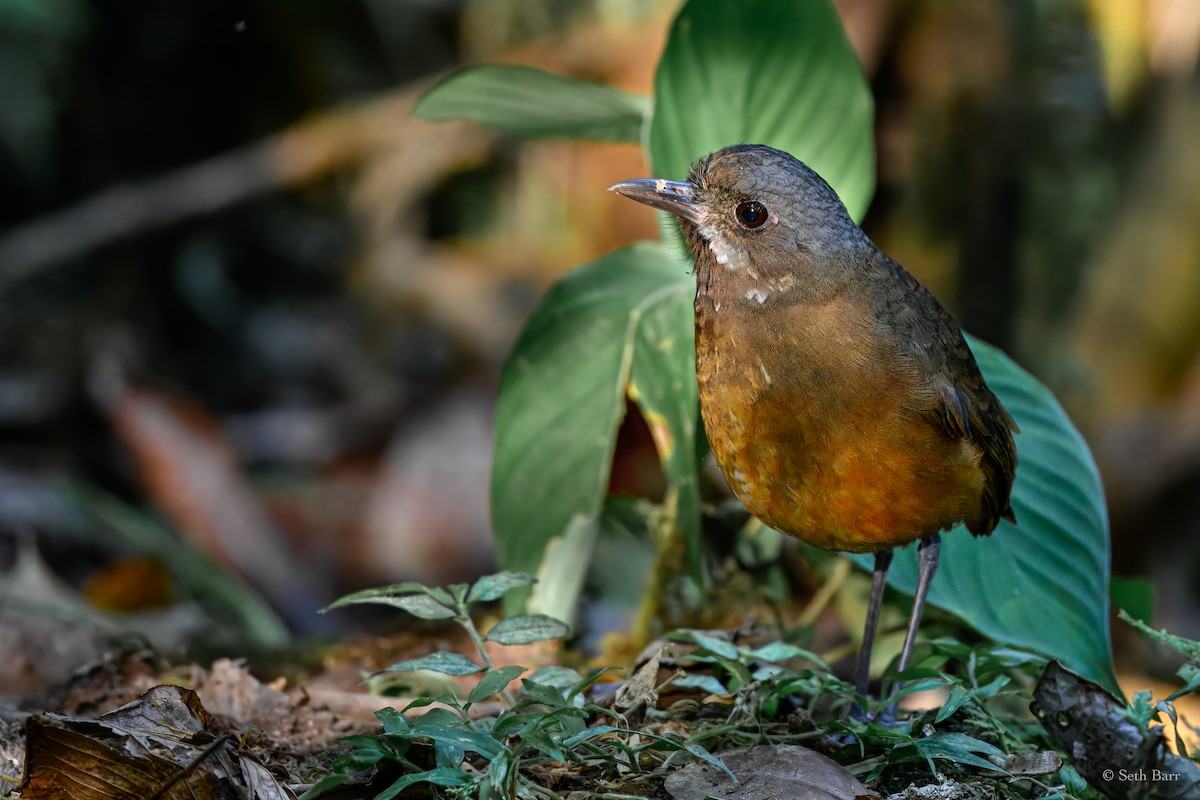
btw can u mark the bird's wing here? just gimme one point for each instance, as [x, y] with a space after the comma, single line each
[963, 405]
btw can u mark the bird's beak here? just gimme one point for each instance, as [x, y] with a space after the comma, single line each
[678, 197]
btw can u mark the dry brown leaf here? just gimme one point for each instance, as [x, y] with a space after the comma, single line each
[1119, 757]
[641, 691]
[784, 772]
[134, 584]
[295, 721]
[158, 743]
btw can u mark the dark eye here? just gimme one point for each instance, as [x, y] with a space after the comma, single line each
[751, 213]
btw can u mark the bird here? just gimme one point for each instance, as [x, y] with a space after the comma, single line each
[841, 400]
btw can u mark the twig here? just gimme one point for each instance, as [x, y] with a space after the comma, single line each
[295, 156]
[183, 773]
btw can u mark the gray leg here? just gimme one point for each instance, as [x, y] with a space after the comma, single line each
[862, 671]
[927, 563]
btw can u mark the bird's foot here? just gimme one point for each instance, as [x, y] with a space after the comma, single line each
[887, 716]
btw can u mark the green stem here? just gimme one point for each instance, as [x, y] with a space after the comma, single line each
[477, 640]
[464, 619]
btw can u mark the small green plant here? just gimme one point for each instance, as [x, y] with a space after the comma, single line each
[1142, 708]
[732, 696]
[1112, 744]
[980, 726]
[547, 720]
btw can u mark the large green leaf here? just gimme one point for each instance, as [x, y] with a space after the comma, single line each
[765, 72]
[1042, 583]
[664, 387]
[529, 102]
[562, 394]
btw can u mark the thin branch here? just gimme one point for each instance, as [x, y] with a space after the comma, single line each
[295, 156]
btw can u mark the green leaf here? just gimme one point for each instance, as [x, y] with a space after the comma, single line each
[512, 723]
[548, 745]
[448, 754]
[718, 647]
[434, 718]
[697, 751]
[594, 732]
[765, 72]
[393, 721]
[705, 683]
[499, 776]
[543, 693]
[1041, 584]
[367, 752]
[526, 628]
[959, 749]
[442, 776]
[911, 686]
[419, 605]
[321, 786]
[562, 395]
[493, 683]
[493, 587]
[1190, 674]
[400, 595]
[458, 737]
[448, 663]
[1141, 710]
[781, 651]
[364, 742]
[700, 753]
[959, 696]
[1073, 782]
[663, 384]
[564, 569]
[564, 679]
[990, 690]
[535, 104]
[620, 564]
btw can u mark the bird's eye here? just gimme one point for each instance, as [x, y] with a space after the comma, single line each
[751, 213]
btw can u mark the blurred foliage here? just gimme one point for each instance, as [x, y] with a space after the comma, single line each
[35, 43]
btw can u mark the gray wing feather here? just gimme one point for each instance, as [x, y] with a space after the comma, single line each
[964, 406]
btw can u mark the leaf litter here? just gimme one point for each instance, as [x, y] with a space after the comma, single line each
[707, 713]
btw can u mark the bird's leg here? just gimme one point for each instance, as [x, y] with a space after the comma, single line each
[927, 564]
[862, 671]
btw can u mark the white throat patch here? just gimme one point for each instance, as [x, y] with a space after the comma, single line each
[720, 247]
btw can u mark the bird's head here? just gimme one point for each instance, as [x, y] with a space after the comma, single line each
[751, 205]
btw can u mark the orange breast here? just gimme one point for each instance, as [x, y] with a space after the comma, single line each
[818, 429]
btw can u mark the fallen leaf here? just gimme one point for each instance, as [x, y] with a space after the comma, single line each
[1111, 752]
[783, 772]
[160, 743]
[641, 690]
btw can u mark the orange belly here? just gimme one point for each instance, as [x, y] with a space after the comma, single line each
[832, 450]
[857, 491]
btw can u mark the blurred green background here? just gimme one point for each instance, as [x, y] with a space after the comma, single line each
[252, 314]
